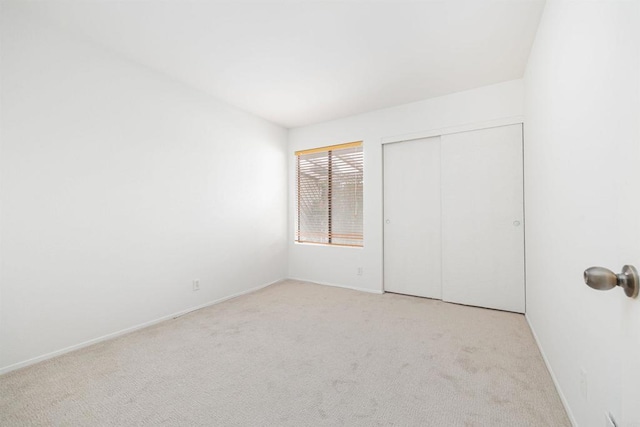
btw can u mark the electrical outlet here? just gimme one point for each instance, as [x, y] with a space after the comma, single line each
[359, 271]
[583, 384]
[196, 285]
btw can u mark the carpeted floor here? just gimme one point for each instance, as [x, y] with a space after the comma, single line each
[298, 354]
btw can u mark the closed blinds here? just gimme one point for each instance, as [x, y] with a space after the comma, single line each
[329, 195]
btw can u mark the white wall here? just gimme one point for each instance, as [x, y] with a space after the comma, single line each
[120, 186]
[582, 157]
[339, 265]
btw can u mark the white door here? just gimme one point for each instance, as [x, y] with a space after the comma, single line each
[412, 217]
[482, 218]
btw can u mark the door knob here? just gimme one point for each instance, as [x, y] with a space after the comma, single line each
[604, 279]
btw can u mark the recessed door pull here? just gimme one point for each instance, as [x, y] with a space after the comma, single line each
[604, 279]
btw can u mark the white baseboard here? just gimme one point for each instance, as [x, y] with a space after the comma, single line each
[112, 335]
[353, 288]
[553, 376]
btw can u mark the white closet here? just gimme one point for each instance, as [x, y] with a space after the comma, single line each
[453, 211]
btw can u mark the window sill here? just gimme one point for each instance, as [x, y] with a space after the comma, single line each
[327, 245]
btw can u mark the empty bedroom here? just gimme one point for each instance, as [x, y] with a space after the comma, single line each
[320, 213]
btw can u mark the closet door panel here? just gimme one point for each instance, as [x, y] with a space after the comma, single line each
[412, 218]
[482, 218]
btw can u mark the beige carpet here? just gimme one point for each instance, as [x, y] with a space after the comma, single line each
[298, 354]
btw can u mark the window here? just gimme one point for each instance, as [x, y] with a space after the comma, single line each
[329, 195]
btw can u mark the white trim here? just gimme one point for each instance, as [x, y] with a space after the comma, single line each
[454, 129]
[112, 335]
[353, 288]
[553, 376]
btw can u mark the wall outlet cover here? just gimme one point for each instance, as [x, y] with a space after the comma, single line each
[583, 384]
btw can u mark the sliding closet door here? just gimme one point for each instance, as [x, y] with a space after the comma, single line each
[412, 217]
[482, 218]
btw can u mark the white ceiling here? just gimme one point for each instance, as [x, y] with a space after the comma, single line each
[301, 62]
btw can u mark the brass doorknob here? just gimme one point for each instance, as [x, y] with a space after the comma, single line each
[604, 279]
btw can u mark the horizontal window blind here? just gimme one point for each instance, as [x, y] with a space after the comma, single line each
[329, 195]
